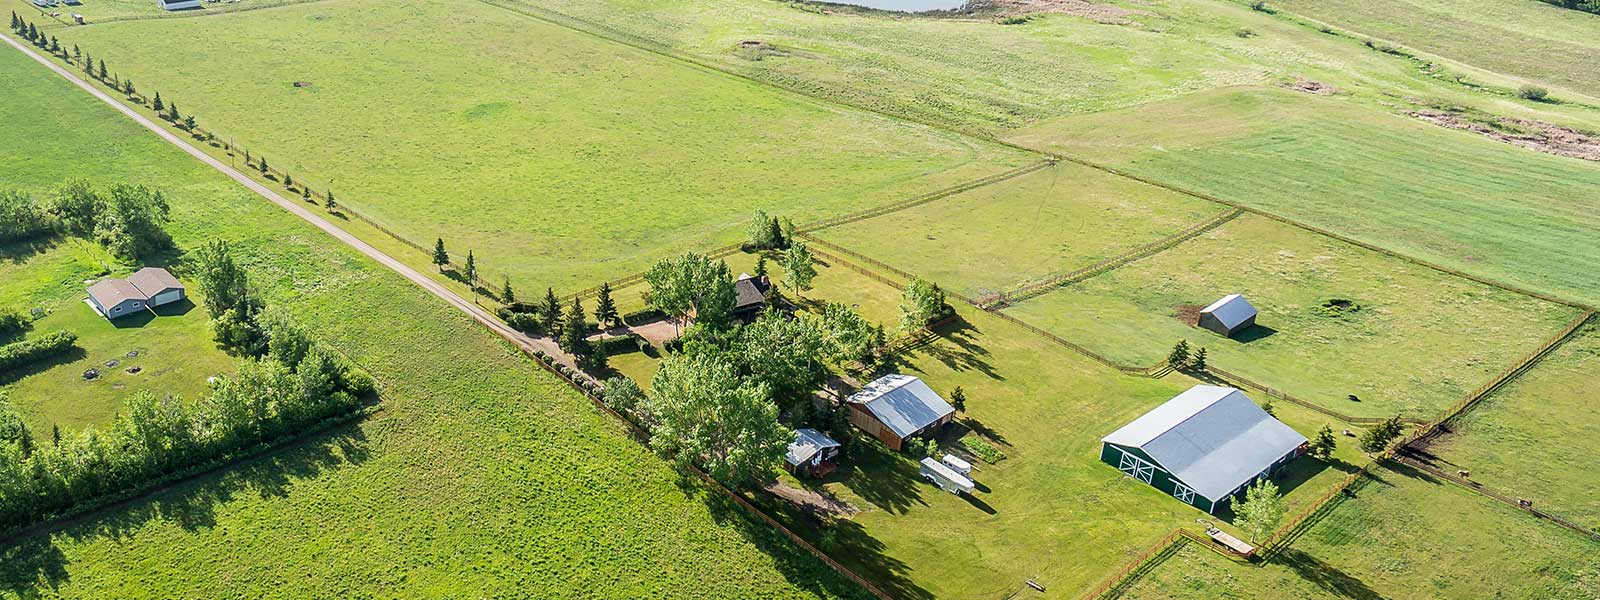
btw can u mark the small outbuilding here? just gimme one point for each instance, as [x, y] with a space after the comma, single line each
[1203, 446]
[811, 453]
[158, 285]
[114, 298]
[1228, 316]
[750, 294]
[895, 407]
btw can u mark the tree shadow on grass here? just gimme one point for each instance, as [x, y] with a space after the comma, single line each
[19, 252]
[69, 356]
[955, 347]
[33, 564]
[880, 476]
[843, 540]
[1326, 576]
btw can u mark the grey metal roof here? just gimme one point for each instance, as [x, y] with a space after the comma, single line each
[1211, 438]
[1231, 310]
[807, 443]
[749, 291]
[902, 403]
[111, 292]
[154, 280]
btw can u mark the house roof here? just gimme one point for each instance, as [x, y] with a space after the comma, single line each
[1231, 310]
[807, 443]
[902, 403]
[154, 280]
[111, 292]
[1211, 438]
[749, 291]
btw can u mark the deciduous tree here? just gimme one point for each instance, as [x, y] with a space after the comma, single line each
[693, 284]
[1261, 511]
[922, 303]
[799, 268]
[707, 415]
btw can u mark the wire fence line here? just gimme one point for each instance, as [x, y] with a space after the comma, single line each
[1028, 291]
[1518, 503]
[1325, 232]
[921, 199]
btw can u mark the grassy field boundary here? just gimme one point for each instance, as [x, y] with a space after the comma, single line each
[1033, 290]
[612, 34]
[1478, 488]
[606, 32]
[837, 253]
[920, 200]
[1324, 232]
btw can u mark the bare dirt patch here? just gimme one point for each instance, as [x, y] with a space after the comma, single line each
[812, 501]
[1189, 314]
[1100, 13]
[1534, 135]
[1301, 84]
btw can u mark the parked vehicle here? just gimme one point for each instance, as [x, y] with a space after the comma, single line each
[946, 478]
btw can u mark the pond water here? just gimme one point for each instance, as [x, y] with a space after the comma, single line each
[905, 5]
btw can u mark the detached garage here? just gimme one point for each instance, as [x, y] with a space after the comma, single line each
[114, 298]
[1203, 446]
[158, 285]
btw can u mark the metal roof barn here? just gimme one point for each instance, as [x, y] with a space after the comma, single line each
[1203, 446]
[1228, 316]
[895, 407]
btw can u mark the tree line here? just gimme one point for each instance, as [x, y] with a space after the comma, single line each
[128, 220]
[286, 382]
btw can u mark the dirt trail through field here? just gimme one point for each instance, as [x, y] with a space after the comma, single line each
[477, 313]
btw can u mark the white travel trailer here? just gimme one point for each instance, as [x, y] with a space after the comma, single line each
[945, 477]
[956, 464]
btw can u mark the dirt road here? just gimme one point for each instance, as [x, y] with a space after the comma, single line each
[478, 313]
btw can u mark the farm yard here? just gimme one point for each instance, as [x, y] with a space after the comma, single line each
[1080, 178]
[470, 155]
[432, 491]
[1334, 318]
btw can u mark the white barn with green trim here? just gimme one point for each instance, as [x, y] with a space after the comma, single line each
[1203, 446]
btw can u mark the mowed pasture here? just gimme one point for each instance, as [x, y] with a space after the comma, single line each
[558, 158]
[1454, 198]
[1045, 223]
[1405, 537]
[478, 474]
[100, 11]
[1535, 438]
[1335, 319]
[974, 74]
[1524, 38]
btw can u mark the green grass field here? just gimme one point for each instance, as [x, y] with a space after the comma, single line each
[977, 75]
[100, 11]
[1532, 438]
[479, 475]
[1451, 197]
[1028, 228]
[1525, 38]
[1419, 340]
[1405, 537]
[558, 158]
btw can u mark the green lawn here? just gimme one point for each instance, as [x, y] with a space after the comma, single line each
[1534, 438]
[1451, 197]
[1419, 340]
[173, 347]
[1524, 38]
[100, 11]
[1405, 537]
[480, 475]
[1048, 222]
[558, 158]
